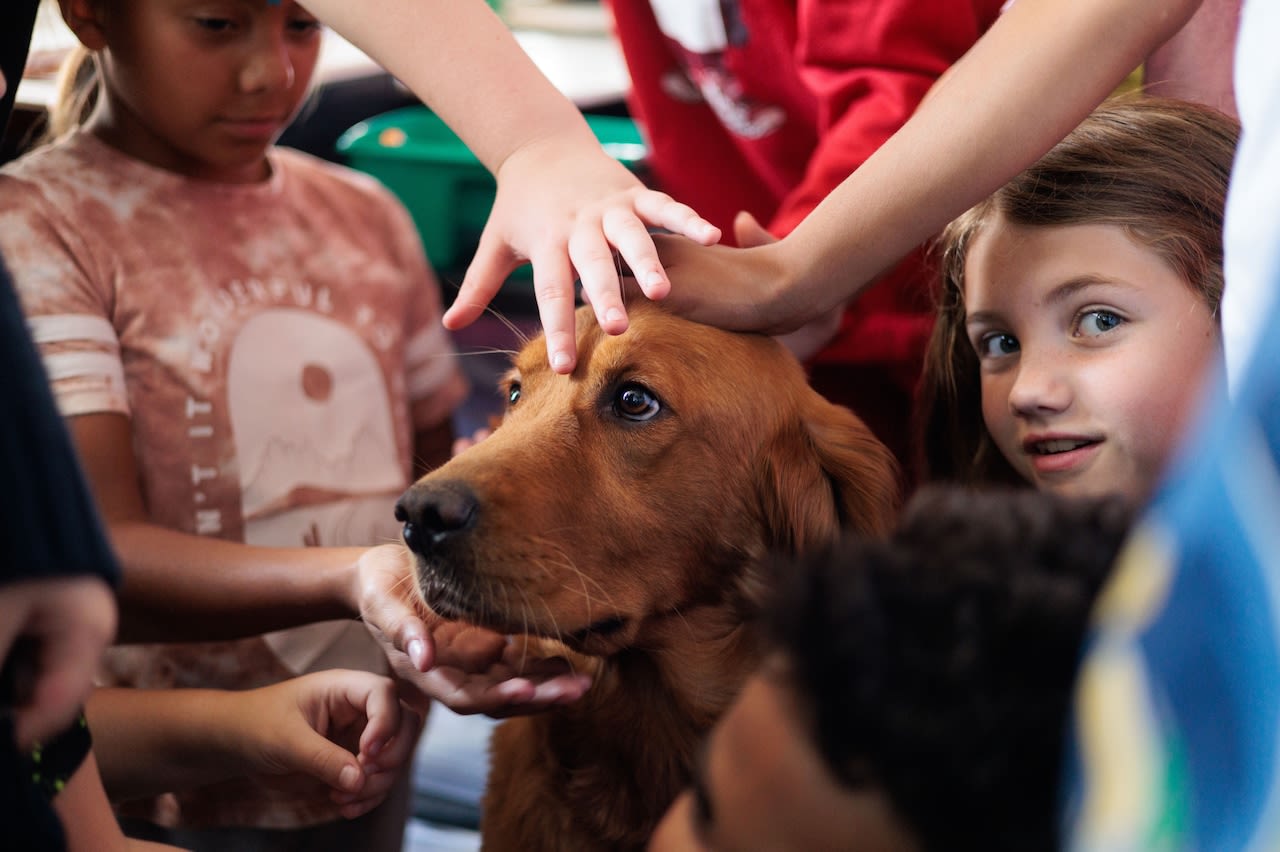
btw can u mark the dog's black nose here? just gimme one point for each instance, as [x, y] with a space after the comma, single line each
[432, 512]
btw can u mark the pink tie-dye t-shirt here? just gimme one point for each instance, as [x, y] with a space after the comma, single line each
[267, 342]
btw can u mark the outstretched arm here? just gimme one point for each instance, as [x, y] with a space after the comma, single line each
[562, 203]
[345, 729]
[1040, 69]
[182, 587]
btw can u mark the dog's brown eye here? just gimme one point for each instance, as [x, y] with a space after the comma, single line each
[636, 402]
[513, 393]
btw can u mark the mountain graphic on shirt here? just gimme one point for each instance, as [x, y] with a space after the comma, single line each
[310, 411]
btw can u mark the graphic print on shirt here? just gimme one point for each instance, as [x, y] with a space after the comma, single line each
[311, 415]
[701, 31]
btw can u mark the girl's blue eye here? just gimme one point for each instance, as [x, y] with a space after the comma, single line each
[1096, 322]
[997, 345]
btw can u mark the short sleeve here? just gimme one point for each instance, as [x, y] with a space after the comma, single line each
[66, 298]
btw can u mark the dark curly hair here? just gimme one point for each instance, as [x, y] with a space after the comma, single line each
[938, 665]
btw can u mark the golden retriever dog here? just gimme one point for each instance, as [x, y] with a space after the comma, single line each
[616, 517]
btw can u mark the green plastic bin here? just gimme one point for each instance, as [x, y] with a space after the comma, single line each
[445, 188]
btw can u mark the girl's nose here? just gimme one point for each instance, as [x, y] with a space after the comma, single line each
[268, 66]
[1041, 386]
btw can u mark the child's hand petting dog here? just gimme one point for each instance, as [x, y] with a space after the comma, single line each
[462, 666]
[566, 214]
[809, 339]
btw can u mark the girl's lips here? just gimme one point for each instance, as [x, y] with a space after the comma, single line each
[1061, 454]
[253, 127]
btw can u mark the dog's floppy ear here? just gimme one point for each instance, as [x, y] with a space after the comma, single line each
[825, 474]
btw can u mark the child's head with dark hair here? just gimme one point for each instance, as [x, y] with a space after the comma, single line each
[201, 90]
[917, 688]
[1070, 295]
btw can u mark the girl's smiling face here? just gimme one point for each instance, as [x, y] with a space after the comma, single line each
[1093, 354]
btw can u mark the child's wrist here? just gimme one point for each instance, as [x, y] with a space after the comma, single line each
[225, 737]
[341, 581]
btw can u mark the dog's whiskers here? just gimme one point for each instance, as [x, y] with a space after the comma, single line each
[566, 562]
[555, 624]
[524, 617]
[515, 330]
[689, 627]
[408, 580]
[487, 350]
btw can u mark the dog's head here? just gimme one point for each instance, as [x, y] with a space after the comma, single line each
[641, 487]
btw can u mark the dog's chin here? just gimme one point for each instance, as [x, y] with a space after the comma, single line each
[448, 601]
[601, 638]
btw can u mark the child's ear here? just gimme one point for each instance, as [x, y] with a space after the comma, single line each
[84, 18]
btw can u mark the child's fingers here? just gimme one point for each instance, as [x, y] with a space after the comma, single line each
[73, 622]
[594, 260]
[535, 694]
[485, 275]
[748, 231]
[553, 288]
[471, 649]
[389, 617]
[329, 762]
[373, 794]
[623, 229]
[659, 210]
[388, 724]
[389, 753]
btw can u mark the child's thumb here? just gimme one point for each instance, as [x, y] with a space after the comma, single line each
[333, 764]
[749, 233]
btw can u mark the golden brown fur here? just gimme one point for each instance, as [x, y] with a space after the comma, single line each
[630, 545]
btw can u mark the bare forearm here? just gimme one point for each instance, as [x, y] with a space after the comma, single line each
[455, 55]
[181, 587]
[1035, 75]
[151, 741]
[85, 813]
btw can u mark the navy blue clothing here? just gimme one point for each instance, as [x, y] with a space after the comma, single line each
[49, 528]
[49, 524]
[17, 17]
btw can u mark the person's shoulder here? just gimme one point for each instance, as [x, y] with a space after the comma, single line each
[68, 175]
[39, 185]
[54, 160]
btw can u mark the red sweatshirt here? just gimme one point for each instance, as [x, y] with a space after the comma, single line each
[766, 105]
